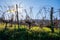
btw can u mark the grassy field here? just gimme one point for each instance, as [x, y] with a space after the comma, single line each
[34, 33]
[35, 28]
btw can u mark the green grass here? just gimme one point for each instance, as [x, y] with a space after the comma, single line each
[35, 28]
[34, 33]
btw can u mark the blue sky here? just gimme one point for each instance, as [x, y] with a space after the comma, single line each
[36, 4]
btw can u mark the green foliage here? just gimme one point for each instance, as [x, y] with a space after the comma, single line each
[34, 33]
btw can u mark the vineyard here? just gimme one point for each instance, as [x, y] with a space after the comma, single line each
[29, 20]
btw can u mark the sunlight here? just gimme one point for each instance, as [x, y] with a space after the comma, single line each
[13, 9]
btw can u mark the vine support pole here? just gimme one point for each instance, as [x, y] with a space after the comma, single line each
[51, 19]
[17, 15]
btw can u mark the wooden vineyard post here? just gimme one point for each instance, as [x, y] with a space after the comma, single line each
[17, 15]
[51, 19]
[6, 26]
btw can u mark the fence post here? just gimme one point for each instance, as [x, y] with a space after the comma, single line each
[51, 19]
[17, 15]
